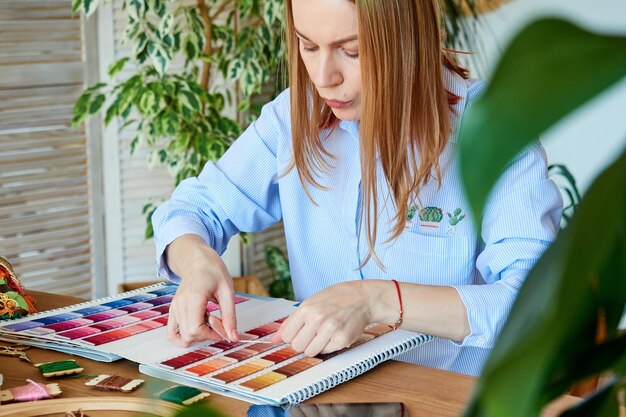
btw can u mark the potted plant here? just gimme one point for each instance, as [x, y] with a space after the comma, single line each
[223, 52]
[564, 326]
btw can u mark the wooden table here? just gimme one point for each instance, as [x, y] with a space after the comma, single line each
[425, 391]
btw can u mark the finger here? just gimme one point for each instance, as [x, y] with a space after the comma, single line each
[302, 340]
[192, 327]
[226, 300]
[289, 328]
[316, 345]
[173, 333]
[216, 325]
[333, 345]
[339, 339]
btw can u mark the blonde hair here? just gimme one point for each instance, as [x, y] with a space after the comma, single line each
[405, 118]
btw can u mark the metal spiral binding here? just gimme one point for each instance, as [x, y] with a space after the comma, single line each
[354, 370]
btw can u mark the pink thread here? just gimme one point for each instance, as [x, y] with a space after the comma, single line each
[31, 392]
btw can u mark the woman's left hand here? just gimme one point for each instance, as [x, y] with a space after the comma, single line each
[328, 321]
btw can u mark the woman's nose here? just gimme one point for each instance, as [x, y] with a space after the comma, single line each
[327, 74]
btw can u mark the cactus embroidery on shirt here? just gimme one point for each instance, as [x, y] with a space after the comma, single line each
[454, 219]
[430, 217]
[409, 216]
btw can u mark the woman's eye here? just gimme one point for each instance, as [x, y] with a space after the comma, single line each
[306, 48]
[353, 55]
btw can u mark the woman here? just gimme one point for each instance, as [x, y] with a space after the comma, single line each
[357, 159]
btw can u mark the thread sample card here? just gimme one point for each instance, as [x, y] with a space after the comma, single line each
[253, 366]
[266, 373]
[96, 325]
[133, 326]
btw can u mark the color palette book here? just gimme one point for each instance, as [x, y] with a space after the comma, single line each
[107, 329]
[132, 325]
[275, 374]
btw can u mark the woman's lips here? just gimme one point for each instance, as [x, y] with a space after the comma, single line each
[337, 104]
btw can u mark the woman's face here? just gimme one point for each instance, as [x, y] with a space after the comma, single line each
[329, 47]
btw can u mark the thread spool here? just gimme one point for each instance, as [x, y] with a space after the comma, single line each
[114, 383]
[183, 395]
[60, 368]
[33, 391]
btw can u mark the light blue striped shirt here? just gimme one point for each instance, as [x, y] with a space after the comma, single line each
[244, 191]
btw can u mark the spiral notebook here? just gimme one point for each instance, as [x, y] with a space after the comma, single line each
[132, 325]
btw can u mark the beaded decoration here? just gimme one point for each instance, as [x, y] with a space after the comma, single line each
[14, 302]
[114, 383]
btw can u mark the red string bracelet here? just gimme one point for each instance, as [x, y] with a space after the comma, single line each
[398, 323]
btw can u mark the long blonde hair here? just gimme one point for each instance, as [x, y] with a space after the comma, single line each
[405, 118]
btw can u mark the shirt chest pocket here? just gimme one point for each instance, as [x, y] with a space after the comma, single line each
[431, 260]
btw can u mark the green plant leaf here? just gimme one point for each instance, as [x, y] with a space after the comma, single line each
[235, 68]
[89, 6]
[189, 100]
[133, 145]
[96, 104]
[553, 322]
[147, 101]
[603, 403]
[96, 87]
[166, 24]
[593, 361]
[77, 5]
[80, 111]
[117, 66]
[111, 112]
[536, 83]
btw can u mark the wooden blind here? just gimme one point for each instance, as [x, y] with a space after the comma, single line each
[44, 197]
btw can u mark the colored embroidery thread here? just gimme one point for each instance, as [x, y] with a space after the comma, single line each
[114, 383]
[455, 218]
[409, 216]
[183, 395]
[32, 392]
[59, 368]
[430, 217]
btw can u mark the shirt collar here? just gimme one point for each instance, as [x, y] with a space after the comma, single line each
[350, 126]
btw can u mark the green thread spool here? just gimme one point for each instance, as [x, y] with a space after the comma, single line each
[179, 394]
[61, 366]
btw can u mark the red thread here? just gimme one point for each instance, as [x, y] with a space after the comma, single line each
[31, 392]
[399, 322]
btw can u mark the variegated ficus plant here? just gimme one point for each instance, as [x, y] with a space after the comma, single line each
[189, 60]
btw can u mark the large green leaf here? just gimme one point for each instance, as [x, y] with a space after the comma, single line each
[550, 69]
[602, 404]
[552, 326]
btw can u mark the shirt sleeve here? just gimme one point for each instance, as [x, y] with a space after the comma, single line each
[237, 193]
[521, 219]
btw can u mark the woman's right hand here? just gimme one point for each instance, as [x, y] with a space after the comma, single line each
[204, 278]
